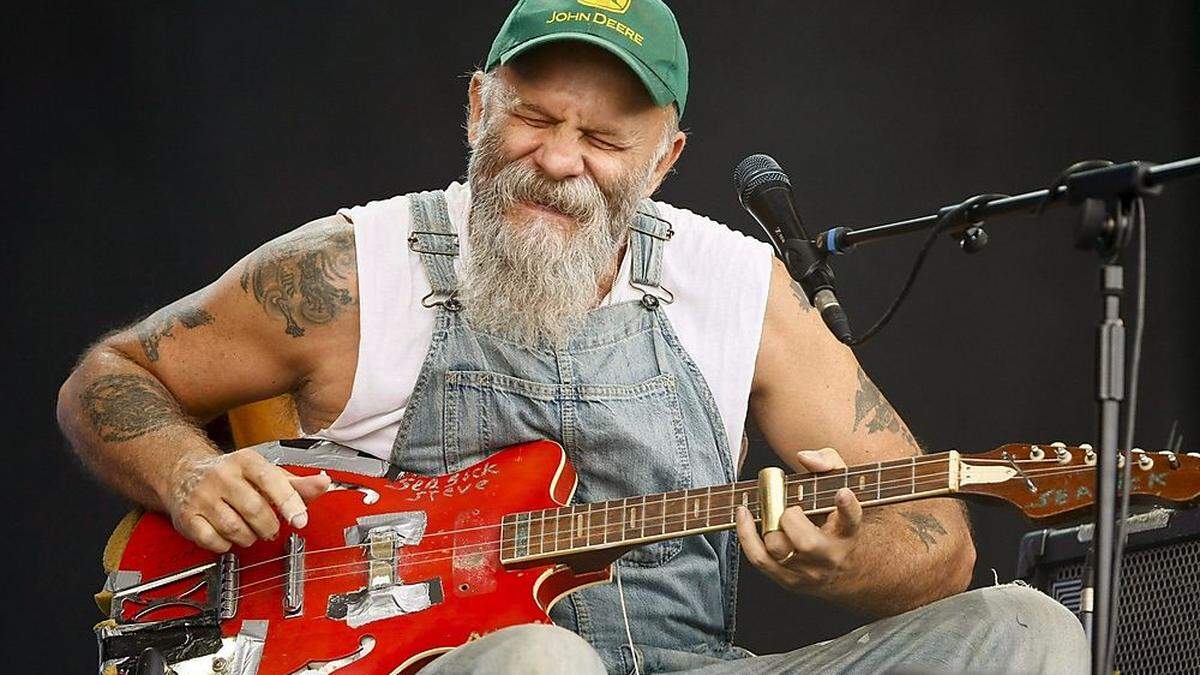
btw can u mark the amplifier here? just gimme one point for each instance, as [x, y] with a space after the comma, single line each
[1160, 586]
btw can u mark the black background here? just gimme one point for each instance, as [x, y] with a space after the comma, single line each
[151, 145]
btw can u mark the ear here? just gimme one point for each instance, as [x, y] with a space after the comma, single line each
[474, 106]
[666, 163]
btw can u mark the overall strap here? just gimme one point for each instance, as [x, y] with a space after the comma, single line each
[434, 239]
[648, 235]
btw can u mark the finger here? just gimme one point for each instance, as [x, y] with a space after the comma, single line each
[777, 544]
[253, 508]
[754, 548]
[845, 521]
[276, 485]
[229, 524]
[803, 536]
[311, 487]
[197, 529]
[821, 460]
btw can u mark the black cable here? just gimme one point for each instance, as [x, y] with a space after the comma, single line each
[1061, 179]
[1138, 213]
[948, 219]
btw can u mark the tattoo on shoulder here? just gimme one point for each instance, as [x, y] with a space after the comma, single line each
[124, 407]
[801, 298]
[159, 325]
[873, 410]
[924, 526]
[303, 279]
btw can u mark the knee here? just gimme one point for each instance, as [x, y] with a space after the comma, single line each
[1040, 634]
[536, 648]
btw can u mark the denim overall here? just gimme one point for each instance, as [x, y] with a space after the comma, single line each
[633, 413]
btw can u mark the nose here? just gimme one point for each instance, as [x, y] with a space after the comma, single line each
[559, 156]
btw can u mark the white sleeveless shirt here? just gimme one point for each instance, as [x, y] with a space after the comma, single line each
[719, 278]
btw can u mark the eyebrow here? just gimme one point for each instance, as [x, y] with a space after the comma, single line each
[603, 131]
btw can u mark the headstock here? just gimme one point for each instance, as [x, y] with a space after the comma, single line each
[1053, 481]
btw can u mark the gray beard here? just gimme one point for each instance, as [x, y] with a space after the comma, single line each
[531, 282]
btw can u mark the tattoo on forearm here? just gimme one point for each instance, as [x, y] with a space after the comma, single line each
[924, 526]
[159, 325]
[124, 407]
[871, 408]
[302, 280]
[801, 298]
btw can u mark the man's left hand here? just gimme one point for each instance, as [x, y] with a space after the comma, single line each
[801, 555]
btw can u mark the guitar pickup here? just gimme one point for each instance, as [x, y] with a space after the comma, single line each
[293, 591]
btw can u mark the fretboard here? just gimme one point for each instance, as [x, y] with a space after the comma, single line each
[556, 533]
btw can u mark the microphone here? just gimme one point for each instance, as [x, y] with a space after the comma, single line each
[765, 191]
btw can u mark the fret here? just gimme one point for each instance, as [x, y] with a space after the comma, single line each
[825, 488]
[662, 519]
[708, 506]
[562, 526]
[732, 502]
[605, 530]
[878, 479]
[892, 479]
[541, 532]
[589, 525]
[812, 490]
[930, 475]
[643, 528]
[913, 464]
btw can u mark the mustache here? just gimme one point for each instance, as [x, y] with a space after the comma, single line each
[580, 198]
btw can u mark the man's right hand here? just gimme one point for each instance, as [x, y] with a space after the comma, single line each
[216, 501]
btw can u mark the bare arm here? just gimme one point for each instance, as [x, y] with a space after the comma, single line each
[809, 392]
[132, 407]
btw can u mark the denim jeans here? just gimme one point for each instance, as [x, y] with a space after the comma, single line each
[1002, 629]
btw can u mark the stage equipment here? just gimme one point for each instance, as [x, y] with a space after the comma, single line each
[765, 191]
[388, 574]
[1110, 196]
[1160, 593]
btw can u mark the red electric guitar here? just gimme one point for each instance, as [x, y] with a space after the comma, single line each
[388, 574]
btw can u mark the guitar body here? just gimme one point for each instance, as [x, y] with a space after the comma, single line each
[455, 564]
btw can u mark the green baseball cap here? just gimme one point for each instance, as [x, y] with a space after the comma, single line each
[642, 33]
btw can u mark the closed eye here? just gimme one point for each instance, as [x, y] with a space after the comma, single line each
[536, 122]
[603, 144]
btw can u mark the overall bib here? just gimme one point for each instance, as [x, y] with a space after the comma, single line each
[633, 413]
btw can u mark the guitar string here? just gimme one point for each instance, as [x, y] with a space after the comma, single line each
[1044, 472]
[790, 480]
[741, 485]
[651, 521]
[411, 559]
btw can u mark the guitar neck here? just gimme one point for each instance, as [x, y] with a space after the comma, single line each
[552, 534]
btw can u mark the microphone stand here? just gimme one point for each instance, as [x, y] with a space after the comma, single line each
[1106, 196]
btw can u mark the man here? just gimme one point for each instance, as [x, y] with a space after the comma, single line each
[550, 298]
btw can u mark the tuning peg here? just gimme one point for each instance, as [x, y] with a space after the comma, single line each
[1058, 444]
[1063, 455]
[1086, 446]
[1172, 458]
[1036, 453]
[1089, 457]
[1144, 460]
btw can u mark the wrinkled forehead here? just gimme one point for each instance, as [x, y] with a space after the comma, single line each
[574, 78]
